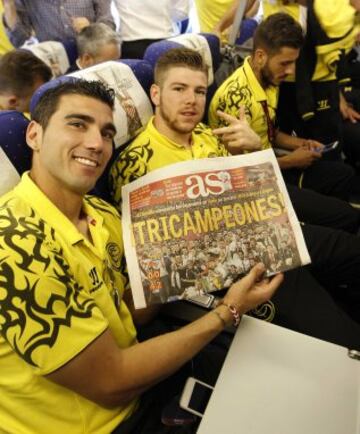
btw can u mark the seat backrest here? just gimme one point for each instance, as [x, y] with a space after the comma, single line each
[15, 155]
[52, 53]
[131, 80]
[132, 104]
[208, 45]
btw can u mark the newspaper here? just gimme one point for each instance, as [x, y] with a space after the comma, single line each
[197, 226]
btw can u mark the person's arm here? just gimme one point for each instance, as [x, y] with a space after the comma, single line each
[347, 112]
[303, 152]
[229, 16]
[16, 22]
[140, 316]
[119, 375]
[103, 13]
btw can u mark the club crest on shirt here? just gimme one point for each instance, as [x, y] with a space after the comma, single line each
[114, 253]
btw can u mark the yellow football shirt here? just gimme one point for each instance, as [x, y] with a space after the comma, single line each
[273, 6]
[210, 12]
[58, 293]
[242, 88]
[337, 18]
[152, 150]
[5, 44]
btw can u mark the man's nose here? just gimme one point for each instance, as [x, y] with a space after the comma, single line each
[94, 138]
[290, 69]
[190, 96]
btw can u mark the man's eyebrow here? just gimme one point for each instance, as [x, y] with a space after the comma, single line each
[179, 83]
[109, 126]
[81, 116]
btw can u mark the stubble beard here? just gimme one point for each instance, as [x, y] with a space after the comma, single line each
[174, 125]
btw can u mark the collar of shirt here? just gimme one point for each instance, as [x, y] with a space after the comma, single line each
[269, 95]
[39, 201]
[161, 138]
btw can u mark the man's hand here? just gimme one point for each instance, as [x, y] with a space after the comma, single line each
[79, 23]
[347, 112]
[312, 145]
[238, 135]
[252, 290]
[300, 158]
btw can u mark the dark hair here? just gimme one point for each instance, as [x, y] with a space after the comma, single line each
[18, 71]
[278, 31]
[178, 57]
[49, 101]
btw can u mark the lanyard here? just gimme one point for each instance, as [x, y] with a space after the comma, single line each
[270, 125]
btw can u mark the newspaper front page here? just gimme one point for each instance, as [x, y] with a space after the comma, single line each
[198, 226]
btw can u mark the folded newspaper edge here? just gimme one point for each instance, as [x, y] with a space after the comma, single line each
[195, 227]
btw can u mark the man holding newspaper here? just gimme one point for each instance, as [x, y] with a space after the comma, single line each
[174, 135]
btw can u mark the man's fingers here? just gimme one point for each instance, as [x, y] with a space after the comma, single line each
[254, 275]
[226, 117]
[226, 130]
[241, 115]
[275, 282]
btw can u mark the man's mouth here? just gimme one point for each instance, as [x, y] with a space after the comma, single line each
[189, 113]
[87, 161]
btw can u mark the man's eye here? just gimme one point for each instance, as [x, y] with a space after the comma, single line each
[108, 135]
[178, 89]
[201, 92]
[77, 124]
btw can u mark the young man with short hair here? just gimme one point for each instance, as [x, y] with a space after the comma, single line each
[97, 43]
[69, 357]
[277, 43]
[52, 21]
[21, 73]
[174, 134]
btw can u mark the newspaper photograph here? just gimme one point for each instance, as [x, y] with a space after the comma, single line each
[198, 226]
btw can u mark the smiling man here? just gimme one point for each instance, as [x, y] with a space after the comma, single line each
[175, 133]
[69, 357]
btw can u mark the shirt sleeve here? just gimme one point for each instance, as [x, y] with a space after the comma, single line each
[46, 316]
[103, 13]
[22, 29]
[129, 166]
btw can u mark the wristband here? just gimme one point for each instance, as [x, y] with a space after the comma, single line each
[234, 312]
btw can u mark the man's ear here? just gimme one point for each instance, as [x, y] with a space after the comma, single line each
[85, 60]
[34, 134]
[10, 102]
[260, 57]
[155, 94]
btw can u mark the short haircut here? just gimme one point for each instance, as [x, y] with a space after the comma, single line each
[19, 69]
[93, 37]
[277, 31]
[49, 101]
[178, 57]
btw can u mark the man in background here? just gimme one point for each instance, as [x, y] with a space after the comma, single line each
[21, 73]
[255, 85]
[174, 135]
[97, 43]
[53, 21]
[145, 22]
